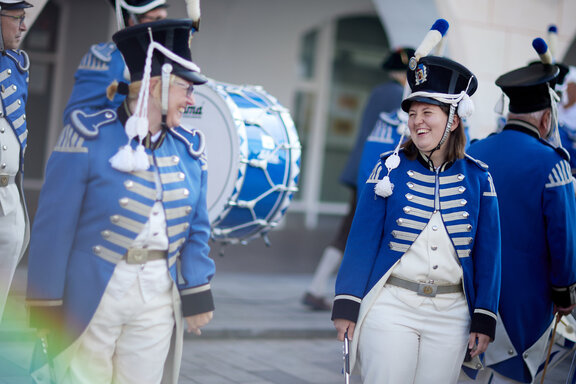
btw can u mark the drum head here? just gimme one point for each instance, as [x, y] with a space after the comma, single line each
[219, 119]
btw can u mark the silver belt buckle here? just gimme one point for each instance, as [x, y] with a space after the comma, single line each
[427, 289]
[136, 256]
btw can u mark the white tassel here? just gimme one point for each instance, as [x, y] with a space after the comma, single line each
[392, 162]
[123, 160]
[131, 127]
[499, 107]
[465, 107]
[141, 162]
[384, 187]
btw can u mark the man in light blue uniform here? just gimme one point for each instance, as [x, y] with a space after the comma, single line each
[119, 256]
[538, 225]
[104, 65]
[14, 224]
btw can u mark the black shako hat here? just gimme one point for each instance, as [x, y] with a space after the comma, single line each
[528, 88]
[10, 4]
[174, 35]
[438, 77]
[136, 7]
[398, 59]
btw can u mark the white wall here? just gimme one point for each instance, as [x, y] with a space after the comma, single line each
[490, 37]
[257, 41]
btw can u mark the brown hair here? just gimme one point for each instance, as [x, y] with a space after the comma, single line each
[456, 142]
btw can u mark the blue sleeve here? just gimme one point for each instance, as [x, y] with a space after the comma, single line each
[559, 205]
[55, 222]
[362, 249]
[196, 267]
[92, 78]
[486, 256]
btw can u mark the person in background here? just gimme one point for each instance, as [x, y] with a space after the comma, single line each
[538, 226]
[119, 256]
[384, 98]
[104, 64]
[14, 64]
[566, 88]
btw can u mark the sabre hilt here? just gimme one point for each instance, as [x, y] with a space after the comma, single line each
[346, 368]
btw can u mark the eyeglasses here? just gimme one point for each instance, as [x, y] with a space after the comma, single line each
[188, 87]
[149, 19]
[19, 18]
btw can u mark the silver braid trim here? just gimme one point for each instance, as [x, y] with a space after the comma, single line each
[201, 144]
[448, 126]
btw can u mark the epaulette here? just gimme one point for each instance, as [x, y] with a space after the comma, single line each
[563, 152]
[559, 150]
[193, 138]
[20, 57]
[482, 165]
[103, 51]
[88, 125]
[390, 118]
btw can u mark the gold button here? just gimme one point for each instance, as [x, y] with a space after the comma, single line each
[427, 290]
[3, 180]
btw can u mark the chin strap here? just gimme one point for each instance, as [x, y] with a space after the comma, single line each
[166, 72]
[1, 36]
[553, 135]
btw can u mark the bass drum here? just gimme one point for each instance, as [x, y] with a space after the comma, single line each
[253, 155]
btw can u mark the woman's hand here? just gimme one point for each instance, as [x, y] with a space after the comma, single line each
[343, 325]
[198, 321]
[478, 343]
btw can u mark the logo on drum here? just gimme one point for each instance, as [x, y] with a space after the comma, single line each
[194, 111]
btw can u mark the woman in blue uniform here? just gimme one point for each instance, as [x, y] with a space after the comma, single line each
[119, 256]
[420, 277]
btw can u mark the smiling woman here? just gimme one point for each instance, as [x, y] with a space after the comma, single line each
[415, 292]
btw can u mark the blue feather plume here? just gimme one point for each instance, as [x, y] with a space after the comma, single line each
[441, 26]
[540, 45]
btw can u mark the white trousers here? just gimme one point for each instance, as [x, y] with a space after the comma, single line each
[12, 231]
[401, 343]
[126, 342]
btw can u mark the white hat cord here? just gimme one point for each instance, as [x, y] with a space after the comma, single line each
[432, 39]
[127, 159]
[465, 109]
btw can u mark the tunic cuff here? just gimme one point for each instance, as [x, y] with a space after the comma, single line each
[564, 297]
[197, 300]
[346, 307]
[484, 322]
[45, 314]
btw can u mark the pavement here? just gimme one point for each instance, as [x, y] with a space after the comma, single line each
[260, 334]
